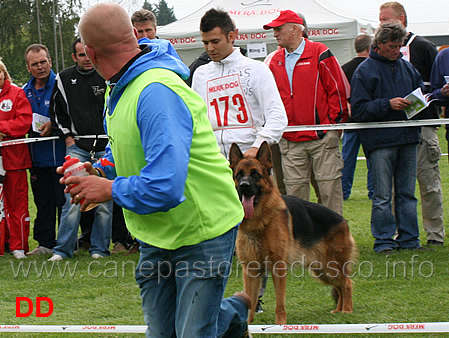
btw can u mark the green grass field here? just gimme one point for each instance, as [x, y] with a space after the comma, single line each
[407, 287]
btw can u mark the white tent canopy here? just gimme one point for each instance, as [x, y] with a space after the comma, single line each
[325, 24]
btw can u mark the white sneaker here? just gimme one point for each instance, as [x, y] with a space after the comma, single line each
[96, 256]
[19, 254]
[55, 258]
[40, 250]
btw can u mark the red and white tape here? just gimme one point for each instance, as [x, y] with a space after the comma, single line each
[352, 328]
[74, 328]
[338, 126]
[41, 139]
[438, 327]
[369, 125]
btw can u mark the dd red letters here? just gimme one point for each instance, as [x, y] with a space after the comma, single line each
[20, 301]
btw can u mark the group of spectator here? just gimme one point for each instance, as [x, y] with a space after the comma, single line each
[398, 63]
[313, 157]
[70, 105]
[167, 173]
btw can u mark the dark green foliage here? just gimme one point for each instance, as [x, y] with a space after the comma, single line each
[164, 14]
[24, 22]
[147, 5]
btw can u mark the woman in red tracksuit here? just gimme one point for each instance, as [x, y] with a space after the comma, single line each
[15, 122]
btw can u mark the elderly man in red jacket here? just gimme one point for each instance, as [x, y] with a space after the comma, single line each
[313, 89]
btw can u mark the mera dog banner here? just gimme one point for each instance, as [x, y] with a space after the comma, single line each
[260, 329]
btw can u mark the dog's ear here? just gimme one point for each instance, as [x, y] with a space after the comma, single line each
[264, 155]
[235, 155]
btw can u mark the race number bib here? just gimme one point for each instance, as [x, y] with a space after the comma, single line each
[226, 104]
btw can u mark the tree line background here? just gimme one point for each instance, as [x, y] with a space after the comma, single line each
[54, 24]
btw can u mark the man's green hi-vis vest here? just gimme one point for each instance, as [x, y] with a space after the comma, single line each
[211, 205]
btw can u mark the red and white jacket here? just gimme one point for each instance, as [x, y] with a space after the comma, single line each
[319, 95]
[15, 121]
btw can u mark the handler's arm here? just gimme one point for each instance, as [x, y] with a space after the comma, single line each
[165, 126]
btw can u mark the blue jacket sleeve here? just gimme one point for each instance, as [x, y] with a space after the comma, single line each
[439, 69]
[109, 170]
[166, 129]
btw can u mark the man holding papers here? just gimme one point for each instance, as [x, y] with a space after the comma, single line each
[379, 86]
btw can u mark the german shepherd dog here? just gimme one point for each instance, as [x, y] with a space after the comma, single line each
[281, 230]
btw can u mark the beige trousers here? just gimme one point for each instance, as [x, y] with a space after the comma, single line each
[322, 158]
[429, 179]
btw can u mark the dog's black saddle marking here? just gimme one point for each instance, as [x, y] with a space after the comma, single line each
[311, 221]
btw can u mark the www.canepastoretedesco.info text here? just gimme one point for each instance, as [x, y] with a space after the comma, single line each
[412, 268]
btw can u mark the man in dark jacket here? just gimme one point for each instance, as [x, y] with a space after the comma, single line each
[76, 109]
[378, 87]
[439, 79]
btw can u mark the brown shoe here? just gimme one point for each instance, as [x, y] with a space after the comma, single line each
[118, 247]
[40, 250]
[133, 250]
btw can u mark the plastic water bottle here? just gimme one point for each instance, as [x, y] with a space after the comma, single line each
[73, 167]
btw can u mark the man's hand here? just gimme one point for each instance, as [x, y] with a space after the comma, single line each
[45, 129]
[89, 189]
[251, 153]
[398, 103]
[69, 141]
[445, 90]
[2, 136]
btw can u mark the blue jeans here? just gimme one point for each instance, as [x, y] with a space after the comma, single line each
[70, 219]
[232, 318]
[182, 290]
[394, 166]
[350, 150]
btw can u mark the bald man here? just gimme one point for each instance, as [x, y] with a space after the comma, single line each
[174, 186]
